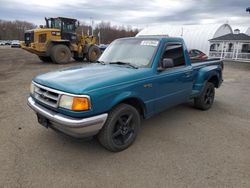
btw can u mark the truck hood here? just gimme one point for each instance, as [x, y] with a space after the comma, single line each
[87, 78]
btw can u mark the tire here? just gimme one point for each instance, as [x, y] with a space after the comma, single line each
[206, 99]
[120, 129]
[60, 54]
[45, 58]
[93, 53]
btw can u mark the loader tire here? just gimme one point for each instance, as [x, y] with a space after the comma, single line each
[93, 53]
[60, 54]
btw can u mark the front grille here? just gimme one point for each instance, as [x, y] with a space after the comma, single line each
[46, 96]
[42, 38]
[29, 37]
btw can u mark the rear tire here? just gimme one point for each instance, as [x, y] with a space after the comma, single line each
[93, 53]
[60, 54]
[206, 99]
[121, 128]
[45, 58]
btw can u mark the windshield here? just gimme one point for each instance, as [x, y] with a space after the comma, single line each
[60, 24]
[135, 51]
[68, 26]
[54, 23]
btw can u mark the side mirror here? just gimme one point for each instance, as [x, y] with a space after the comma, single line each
[167, 63]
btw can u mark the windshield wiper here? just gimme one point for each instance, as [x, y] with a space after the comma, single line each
[124, 63]
[101, 62]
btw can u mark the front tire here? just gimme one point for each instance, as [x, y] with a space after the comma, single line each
[120, 129]
[60, 54]
[206, 99]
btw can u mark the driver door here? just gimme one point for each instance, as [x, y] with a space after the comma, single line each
[173, 85]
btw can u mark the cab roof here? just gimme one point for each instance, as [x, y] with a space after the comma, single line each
[63, 18]
[158, 37]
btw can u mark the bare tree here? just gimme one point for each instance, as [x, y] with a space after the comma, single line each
[108, 32]
[14, 30]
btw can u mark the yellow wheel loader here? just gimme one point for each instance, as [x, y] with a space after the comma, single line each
[57, 42]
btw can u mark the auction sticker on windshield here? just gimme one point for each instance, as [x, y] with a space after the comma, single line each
[149, 43]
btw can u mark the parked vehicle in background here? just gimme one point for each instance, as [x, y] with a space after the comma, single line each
[197, 55]
[2, 43]
[103, 47]
[8, 42]
[134, 78]
[15, 44]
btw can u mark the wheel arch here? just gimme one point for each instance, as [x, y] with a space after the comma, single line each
[135, 102]
[215, 80]
[207, 74]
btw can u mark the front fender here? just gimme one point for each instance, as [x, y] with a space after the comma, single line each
[106, 101]
[125, 96]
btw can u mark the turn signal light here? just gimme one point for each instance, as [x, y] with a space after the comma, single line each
[80, 104]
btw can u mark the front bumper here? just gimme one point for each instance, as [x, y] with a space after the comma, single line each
[75, 127]
[33, 50]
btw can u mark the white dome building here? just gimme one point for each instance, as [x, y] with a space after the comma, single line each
[248, 31]
[195, 36]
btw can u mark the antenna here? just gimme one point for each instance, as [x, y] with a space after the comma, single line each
[182, 31]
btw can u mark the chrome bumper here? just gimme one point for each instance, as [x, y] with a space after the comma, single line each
[75, 127]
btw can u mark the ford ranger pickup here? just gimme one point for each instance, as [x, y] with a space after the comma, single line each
[134, 78]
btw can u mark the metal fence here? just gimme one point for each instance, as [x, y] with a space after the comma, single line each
[230, 55]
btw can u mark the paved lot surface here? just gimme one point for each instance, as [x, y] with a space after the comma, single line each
[181, 147]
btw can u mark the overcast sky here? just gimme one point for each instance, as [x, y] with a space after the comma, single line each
[137, 13]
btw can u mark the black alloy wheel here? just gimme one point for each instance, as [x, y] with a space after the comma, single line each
[209, 96]
[121, 128]
[124, 129]
[206, 99]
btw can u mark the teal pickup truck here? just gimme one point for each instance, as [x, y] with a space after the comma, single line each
[134, 78]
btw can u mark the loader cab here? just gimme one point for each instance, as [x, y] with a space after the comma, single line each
[66, 25]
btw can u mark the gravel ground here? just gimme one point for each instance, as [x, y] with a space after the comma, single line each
[181, 147]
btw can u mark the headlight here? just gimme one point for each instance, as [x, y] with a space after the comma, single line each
[75, 103]
[32, 88]
[56, 33]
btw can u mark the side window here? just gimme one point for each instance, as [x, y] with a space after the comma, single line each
[197, 52]
[175, 52]
[191, 53]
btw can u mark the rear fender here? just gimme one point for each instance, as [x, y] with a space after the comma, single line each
[205, 74]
